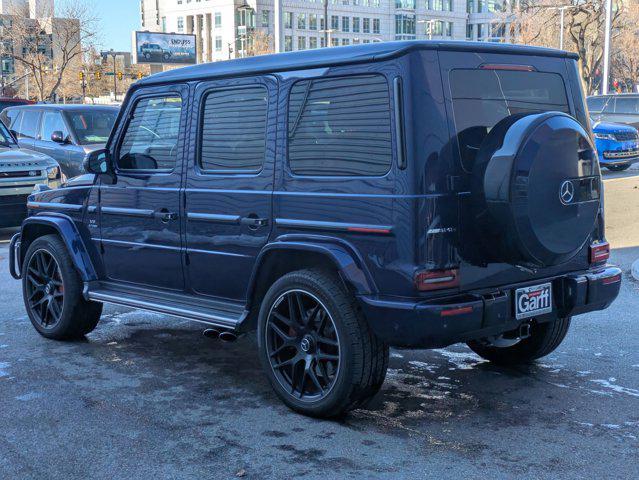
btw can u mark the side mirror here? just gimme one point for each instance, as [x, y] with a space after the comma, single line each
[98, 163]
[58, 137]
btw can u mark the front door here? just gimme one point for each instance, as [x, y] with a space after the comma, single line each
[52, 121]
[229, 184]
[140, 214]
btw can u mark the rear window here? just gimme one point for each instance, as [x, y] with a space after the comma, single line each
[482, 98]
[627, 105]
[340, 127]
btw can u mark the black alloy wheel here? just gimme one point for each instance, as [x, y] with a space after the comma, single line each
[45, 289]
[302, 345]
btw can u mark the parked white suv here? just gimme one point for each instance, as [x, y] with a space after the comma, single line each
[20, 171]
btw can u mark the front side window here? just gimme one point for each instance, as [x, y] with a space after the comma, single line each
[233, 136]
[340, 127]
[151, 138]
[52, 122]
[482, 98]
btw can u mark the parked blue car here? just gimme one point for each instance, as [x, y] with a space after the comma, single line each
[66, 133]
[617, 145]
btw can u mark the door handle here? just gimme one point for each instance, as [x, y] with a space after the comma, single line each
[165, 216]
[254, 222]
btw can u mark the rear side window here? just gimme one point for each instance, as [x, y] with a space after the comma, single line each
[233, 134]
[627, 105]
[340, 127]
[151, 138]
[28, 125]
[482, 98]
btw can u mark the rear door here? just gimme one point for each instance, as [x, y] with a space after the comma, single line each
[229, 183]
[27, 127]
[480, 90]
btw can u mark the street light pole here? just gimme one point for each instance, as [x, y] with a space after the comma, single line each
[561, 28]
[326, 23]
[606, 58]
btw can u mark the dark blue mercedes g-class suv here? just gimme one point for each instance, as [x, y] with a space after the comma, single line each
[340, 201]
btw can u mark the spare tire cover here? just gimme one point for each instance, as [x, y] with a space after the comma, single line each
[536, 189]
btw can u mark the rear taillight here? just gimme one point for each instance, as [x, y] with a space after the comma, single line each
[436, 279]
[599, 252]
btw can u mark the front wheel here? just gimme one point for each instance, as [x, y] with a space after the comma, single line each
[319, 354]
[618, 168]
[544, 338]
[52, 291]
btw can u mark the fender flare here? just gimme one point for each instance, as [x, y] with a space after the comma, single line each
[342, 256]
[68, 232]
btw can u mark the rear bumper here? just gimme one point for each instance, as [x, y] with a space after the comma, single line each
[442, 322]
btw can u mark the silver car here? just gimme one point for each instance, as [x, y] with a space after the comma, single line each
[20, 171]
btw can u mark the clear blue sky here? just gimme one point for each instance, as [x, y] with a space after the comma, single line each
[117, 18]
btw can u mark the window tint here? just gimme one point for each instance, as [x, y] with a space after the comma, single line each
[52, 122]
[340, 126]
[151, 138]
[481, 98]
[28, 125]
[596, 104]
[234, 130]
[627, 105]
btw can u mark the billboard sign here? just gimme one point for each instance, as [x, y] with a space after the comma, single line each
[167, 48]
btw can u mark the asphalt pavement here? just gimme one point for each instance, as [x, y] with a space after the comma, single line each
[147, 396]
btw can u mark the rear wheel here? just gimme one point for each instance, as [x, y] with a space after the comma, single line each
[617, 168]
[52, 291]
[543, 339]
[320, 356]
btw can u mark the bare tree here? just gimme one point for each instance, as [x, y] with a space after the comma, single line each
[584, 26]
[49, 48]
[625, 48]
[259, 43]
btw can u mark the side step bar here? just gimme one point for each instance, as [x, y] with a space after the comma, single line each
[210, 317]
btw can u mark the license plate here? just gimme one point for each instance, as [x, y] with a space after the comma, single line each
[532, 301]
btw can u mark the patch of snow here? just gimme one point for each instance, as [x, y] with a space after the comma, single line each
[461, 360]
[617, 388]
[423, 366]
[3, 369]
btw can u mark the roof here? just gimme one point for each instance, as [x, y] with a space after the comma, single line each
[334, 56]
[67, 107]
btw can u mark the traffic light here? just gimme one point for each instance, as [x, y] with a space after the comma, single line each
[140, 75]
[120, 76]
[98, 75]
[81, 76]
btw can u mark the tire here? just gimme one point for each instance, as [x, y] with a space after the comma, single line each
[544, 338]
[338, 386]
[617, 168]
[66, 315]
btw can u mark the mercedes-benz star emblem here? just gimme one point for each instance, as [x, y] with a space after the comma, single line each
[567, 192]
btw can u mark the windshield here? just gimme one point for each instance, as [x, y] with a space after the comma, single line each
[5, 136]
[92, 126]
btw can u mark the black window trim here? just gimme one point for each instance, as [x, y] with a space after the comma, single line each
[122, 133]
[339, 177]
[200, 130]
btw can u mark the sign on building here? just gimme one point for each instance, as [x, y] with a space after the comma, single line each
[167, 48]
